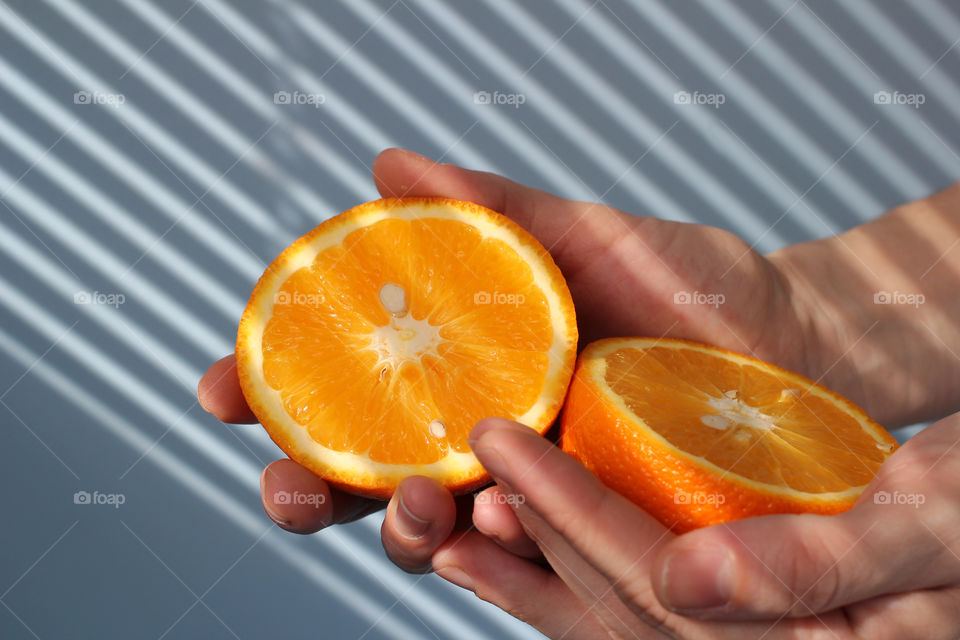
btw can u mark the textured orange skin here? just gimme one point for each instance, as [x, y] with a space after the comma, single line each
[649, 474]
[342, 479]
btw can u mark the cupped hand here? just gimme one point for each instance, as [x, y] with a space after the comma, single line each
[629, 275]
[888, 568]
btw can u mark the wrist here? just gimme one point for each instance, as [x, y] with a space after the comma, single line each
[878, 310]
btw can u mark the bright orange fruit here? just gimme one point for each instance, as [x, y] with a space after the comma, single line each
[373, 344]
[698, 435]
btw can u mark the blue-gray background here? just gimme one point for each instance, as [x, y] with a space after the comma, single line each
[145, 163]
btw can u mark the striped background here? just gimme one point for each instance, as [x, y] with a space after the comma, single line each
[145, 163]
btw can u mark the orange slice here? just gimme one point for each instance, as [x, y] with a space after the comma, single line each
[373, 344]
[697, 435]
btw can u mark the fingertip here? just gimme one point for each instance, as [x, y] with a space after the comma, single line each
[219, 393]
[486, 425]
[393, 168]
[419, 517]
[294, 498]
[694, 580]
[494, 517]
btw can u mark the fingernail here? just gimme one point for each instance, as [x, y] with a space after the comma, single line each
[265, 492]
[494, 464]
[457, 576]
[696, 579]
[409, 525]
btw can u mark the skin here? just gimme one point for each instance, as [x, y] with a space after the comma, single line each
[552, 546]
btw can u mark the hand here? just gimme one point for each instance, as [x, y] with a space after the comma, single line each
[888, 568]
[623, 272]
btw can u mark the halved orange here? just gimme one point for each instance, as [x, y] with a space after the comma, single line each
[372, 345]
[698, 435]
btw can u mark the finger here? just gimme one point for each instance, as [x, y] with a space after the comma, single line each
[521, 588]
[420, 516]
[613, 535]
[219, 393]
[792, 565]
[301, 502]
[566, 228]
[929, 614]
[795, 565]
[494, 517]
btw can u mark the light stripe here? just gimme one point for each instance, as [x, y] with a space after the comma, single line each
[775, 124]
[135, 287]
[152, 190]
[873, 151]
[324, 156]
[616, 166]
[238, 513]
[638, 126]
[187, 271]
[145, 128]
[831, 50]
[168, 89]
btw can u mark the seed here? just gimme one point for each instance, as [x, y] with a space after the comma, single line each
[788, 394]
[393, 297]
[437, 429]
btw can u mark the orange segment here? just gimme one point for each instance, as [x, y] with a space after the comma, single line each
[373, 344]
[698, 435]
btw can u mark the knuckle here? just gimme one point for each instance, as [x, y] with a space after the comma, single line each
[817, 573]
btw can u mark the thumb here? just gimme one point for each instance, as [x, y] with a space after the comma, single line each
[565, 227]
[795, 565]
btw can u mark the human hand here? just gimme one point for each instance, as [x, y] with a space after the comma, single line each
[888, 568]
[623, 272]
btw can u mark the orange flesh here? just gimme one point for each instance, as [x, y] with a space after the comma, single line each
[765, 429]
[405, 388]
